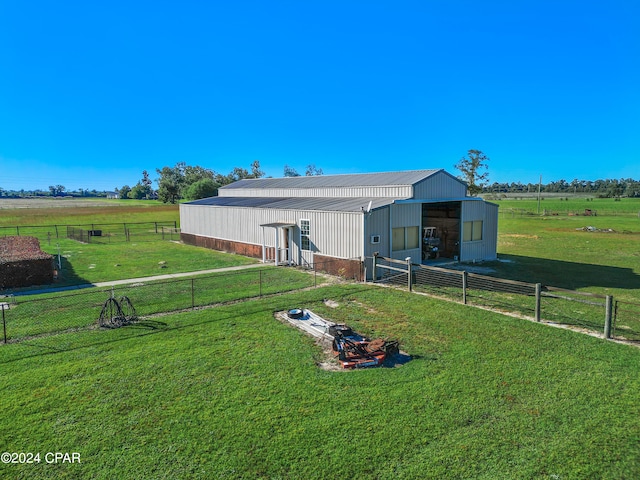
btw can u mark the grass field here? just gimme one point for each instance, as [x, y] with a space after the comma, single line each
[74, 211]
[84, 263]
[230, 392]
[90, 263]
[555, 250]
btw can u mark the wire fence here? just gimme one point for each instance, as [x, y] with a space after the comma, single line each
[98, 232]
[590, 311]
[627, 320]
[26, 317]
[32, 316]
[602, 211]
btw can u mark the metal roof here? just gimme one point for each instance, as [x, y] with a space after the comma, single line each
[409, 177]
[278, 225]
[336, 204]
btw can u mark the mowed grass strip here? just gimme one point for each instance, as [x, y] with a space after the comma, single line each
[231, 392]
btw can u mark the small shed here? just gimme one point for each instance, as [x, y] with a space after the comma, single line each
[337, 222]
[23, 264]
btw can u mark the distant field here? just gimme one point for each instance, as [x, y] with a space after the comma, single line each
[80, 211]
[559, 249]
[565, 205]
[97, 262]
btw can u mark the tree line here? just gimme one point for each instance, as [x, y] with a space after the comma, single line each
[186, 182]
[609, 188]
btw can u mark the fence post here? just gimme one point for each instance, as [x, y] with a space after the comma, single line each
[538, 301]
[4, 323]
[373, 268]
[465, 278]
[607, 320]
[408, 260]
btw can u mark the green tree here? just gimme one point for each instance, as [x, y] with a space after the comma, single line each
[124, 191]
[197, 173]
[256, 172]
[170, 183]
[290, 171]
[203, 188]
[312, 171]
[474, 170]
[142, 189]
[56, 190]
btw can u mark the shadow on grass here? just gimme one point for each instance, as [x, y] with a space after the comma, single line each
[86, 338]
[569, 275]
[67, 277]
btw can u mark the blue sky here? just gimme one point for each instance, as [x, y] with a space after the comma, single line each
[93, 93]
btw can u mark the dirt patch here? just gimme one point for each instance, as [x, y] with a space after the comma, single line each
[519, 235]
[365, 307]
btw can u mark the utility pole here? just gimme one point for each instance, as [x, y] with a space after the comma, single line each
[539, 187]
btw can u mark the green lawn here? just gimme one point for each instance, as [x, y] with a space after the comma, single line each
[80, 309]
[555, 250]
[230, 392]
[90, 263]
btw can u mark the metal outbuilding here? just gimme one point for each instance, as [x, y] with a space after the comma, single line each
[338, 221]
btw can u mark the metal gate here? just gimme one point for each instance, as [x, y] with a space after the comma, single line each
[390, 270]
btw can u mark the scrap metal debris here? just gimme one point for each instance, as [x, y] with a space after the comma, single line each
[594, 229]
[350, 349]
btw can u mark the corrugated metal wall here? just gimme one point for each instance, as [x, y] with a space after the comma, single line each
[377, 223]
[335, 234]
[485, 249]
[407, 215]
[393, 191]
[340, 234]
[440, 185]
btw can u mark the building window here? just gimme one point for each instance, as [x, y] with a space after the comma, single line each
[305, 230]
[413, 237]
[472, 231]
[397, 239]
[405, 238]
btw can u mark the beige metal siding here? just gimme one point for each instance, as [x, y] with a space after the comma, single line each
[485, 249]
[394, 191]
[440, 185]
[406, 215]
[377, 223]
[336, 234]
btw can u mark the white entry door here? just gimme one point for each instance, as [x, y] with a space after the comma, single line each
[306, 245]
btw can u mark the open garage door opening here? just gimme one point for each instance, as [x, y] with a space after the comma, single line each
[441, 231]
